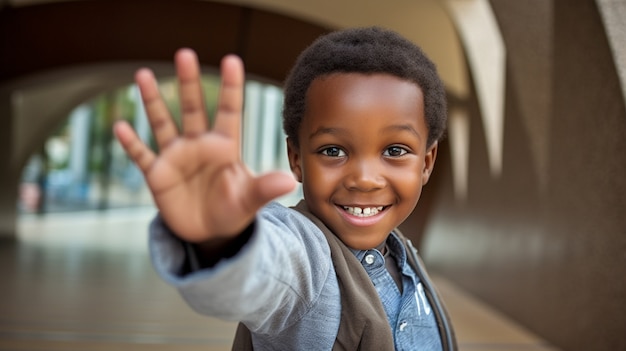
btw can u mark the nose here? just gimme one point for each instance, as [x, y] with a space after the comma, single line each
[365, 175]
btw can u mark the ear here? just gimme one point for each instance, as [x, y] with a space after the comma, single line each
[429, 162]
[293, 152]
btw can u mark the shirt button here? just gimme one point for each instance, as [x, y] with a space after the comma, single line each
[369, 259]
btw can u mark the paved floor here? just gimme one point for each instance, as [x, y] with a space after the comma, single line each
[83, 281]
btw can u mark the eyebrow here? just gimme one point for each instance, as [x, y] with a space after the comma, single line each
[323, 130]
[403, 127]
[393, 128]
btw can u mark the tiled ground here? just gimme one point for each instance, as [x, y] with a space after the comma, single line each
[83, 281]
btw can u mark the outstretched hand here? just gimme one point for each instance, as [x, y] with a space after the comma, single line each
[200, 185]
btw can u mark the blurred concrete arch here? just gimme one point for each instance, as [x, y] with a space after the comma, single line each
[60, 53]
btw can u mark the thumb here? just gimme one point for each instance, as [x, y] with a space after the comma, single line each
[272, 185]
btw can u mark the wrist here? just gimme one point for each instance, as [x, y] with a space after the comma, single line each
[210, 252]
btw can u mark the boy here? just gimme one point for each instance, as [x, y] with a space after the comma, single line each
[363, 112]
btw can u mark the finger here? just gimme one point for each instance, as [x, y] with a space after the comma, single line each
[161, 122]
[190, 90]
[269, 186]
[136, 150]
[230, 103]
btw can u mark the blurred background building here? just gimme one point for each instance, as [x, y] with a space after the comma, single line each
[526, 208]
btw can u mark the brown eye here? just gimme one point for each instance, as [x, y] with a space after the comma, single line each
[333, 151]
[395, 151]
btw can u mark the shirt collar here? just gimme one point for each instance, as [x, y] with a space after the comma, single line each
[396, 249]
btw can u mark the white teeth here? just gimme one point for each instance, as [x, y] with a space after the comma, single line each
[363, 212]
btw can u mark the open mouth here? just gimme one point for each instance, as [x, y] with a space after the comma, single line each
[363, 211]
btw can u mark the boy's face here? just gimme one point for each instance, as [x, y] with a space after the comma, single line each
[362, 157]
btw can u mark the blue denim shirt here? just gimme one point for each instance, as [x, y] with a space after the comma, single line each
[283, 287]
[409, 313]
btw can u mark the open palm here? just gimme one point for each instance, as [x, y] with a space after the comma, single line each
[198, 181]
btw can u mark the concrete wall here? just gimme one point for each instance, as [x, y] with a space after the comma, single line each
[546, 242]
[8, 185]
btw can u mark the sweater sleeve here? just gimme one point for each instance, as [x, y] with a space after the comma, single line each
[274, 279]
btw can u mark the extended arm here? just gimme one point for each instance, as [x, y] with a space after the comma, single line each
[272, 282]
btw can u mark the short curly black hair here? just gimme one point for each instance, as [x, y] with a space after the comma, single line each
[364, 50]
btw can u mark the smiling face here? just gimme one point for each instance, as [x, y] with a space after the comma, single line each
[362, 157]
